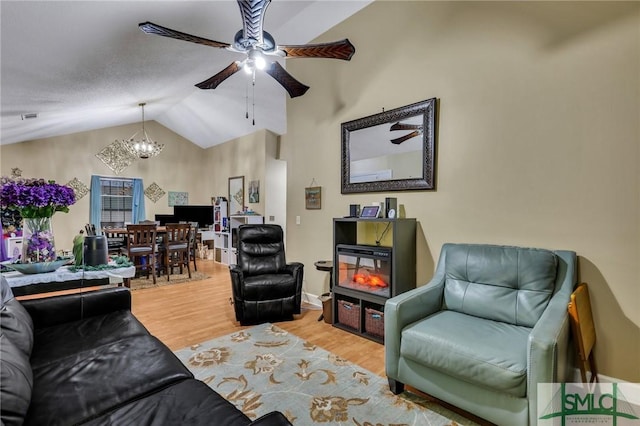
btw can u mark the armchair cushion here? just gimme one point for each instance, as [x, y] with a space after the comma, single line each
[261, 250]
[488, 353]
[508, 284]
[269, 286]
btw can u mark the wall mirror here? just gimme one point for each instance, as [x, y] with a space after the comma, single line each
[390, 151]
[236, 195]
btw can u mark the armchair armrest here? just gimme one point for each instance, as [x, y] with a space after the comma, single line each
[55, 310]
[237, 277]
[404, 309]
[296, 269]
[548, 344]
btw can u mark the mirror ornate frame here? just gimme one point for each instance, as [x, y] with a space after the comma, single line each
[379, 152]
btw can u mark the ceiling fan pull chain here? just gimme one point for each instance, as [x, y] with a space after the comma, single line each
[246, 101]
[253, 95]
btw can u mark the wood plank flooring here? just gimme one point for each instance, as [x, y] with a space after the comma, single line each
[184, 314]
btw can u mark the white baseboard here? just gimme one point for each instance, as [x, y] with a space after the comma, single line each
[632, 390]
[311, 299]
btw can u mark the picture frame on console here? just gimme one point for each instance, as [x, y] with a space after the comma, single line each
[236, 195]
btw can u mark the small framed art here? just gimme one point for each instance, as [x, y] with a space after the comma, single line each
[313, 198]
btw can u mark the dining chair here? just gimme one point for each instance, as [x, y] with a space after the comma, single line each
[176, 248]
[142, 248]
[584, 331]
[193, 243]
[116, 242]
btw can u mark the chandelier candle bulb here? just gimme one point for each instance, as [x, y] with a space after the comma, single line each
[146, 147]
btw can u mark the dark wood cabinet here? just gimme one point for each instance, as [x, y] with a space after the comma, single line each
[383, 250]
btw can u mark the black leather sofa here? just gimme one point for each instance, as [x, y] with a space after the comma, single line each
[85, 359]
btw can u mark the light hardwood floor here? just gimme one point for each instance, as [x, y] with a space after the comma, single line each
[184, 314]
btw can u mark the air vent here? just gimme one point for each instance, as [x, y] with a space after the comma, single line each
[29, 115]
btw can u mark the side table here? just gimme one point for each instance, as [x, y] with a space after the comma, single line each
[327, 266]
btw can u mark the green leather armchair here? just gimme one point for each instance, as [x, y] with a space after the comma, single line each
[489, 326]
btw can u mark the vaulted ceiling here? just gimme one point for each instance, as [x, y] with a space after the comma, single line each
[84, 65]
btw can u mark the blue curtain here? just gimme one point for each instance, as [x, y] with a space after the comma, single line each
[138, 201]
[95, 206]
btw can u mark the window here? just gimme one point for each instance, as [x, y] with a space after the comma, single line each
[117, 202]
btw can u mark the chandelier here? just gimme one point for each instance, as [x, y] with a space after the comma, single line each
[143, 148]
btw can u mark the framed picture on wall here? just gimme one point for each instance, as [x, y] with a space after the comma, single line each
[178, 198]
[313, 198]
[254, 191]
[236, 195]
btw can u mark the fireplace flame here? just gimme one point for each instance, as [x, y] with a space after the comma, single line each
[370, 280]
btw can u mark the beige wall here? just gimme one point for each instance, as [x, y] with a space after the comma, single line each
[538, 140]
[64, 157]
[181, 166]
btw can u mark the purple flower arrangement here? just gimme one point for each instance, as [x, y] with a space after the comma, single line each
[36, 200]
[36, 197]
[38, 245]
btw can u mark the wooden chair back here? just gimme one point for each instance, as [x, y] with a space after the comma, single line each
[141, 235]
[584, 332]
[178, 233]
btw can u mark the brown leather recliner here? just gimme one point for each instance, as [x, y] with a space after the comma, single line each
[265, 288]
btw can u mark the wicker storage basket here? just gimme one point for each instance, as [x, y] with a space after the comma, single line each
[374, 322]
[349, 314]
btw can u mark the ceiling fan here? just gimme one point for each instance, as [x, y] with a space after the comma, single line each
[417, 130]
[258, 44]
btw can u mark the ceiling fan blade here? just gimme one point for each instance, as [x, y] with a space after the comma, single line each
[151, 28]
[252, 12]
[403, 126]
[342, 49]
[291, 85]
[214, 81]
[406, 137]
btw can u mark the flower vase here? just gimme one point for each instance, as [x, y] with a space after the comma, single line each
[37, 240]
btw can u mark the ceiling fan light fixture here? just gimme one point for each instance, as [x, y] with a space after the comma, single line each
[256, 57]
[145, 147]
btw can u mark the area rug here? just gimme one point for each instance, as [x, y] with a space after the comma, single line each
[143, 282]
[265, 368]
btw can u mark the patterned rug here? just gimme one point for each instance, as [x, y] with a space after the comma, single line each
[266, 368]
[143, 282]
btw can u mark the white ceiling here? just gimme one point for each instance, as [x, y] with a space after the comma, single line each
[85, 65]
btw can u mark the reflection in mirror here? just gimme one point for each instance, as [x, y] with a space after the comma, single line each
[390, 151]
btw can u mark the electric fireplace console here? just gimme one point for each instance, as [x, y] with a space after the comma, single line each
[374, 259]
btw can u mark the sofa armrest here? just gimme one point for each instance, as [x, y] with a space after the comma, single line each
[275, 418]
[404, 309]
[55, 310]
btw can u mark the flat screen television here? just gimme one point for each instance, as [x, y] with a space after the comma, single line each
[165, 218]
[201, 214]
